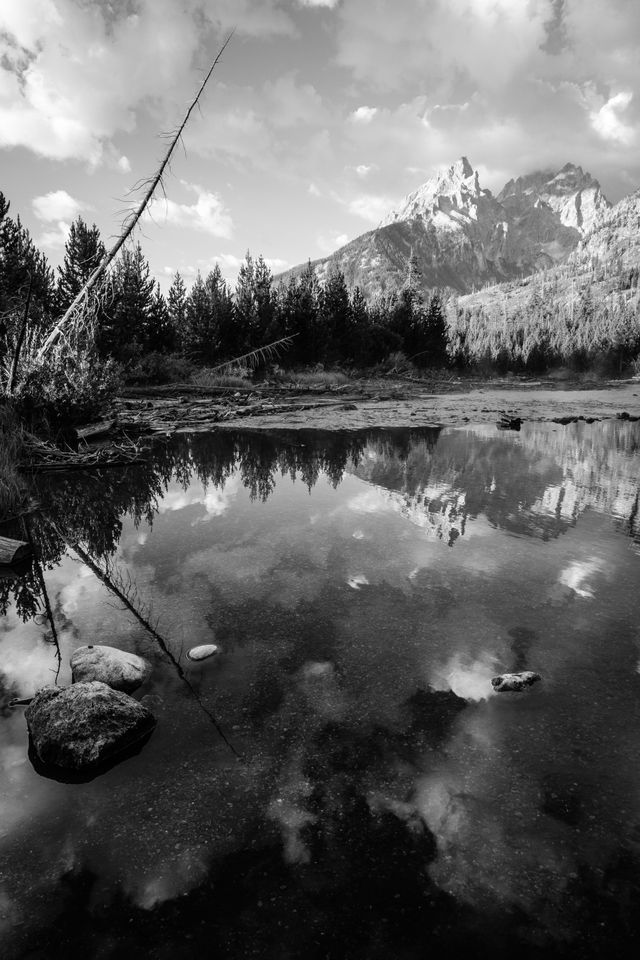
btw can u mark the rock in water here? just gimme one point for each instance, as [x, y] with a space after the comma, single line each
[202, 653]
[514, 681]
[85, 724]
[117, 668]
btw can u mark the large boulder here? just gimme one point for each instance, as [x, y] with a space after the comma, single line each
[84, 725]
[514, 681]
[117, 668]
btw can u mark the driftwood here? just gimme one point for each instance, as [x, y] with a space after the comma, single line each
[13, 551]
[95, 430]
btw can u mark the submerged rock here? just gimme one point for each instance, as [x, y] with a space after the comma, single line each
[85, 724]
[203, 652]
[117, 668]
[514, 681]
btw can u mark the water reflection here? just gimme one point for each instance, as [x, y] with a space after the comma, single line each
[379, 800]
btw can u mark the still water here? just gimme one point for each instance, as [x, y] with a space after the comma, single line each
[341, 782]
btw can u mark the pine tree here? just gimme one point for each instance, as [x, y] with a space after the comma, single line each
[335, 317]
[160, 333]
[201, 341]
[177, 309]
[225, 329]
[22, 268]
[126, 327]
[83, 252]
[245, 305]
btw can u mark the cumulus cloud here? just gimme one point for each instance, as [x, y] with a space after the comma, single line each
[364, 114]
[57, 205]
[607, 123]
[207, 214]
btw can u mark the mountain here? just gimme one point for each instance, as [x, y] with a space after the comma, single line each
[463, 237]
[606, 262]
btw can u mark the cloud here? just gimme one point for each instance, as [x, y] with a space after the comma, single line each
[55, 239]
[370, 207]
[123, 164]
[331, 243]
[607, 123]
[363, 169]
[208, 214]
[57, 205]
[318, 3]
[72, 75]
[364, 114]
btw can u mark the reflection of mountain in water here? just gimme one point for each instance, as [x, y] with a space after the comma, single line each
[535, 483]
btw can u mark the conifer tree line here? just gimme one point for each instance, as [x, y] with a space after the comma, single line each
[210, 322]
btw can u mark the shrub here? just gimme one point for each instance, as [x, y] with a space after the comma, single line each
[12, 493]
[158, 368]
[58, 390]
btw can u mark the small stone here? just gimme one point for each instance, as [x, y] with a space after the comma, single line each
[85, 724]
[203, 652]
[514, 681]
[117, 668]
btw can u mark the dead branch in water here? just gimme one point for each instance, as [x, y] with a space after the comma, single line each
[74, 310]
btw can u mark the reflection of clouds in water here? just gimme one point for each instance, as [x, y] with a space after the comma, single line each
[174, 877]
[25, 658]
[77, 590]
[288, 811]
[470, 680]
[215, 499]
[576, 573]
[357, 581]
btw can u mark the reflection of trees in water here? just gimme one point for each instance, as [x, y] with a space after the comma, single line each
[525, 484]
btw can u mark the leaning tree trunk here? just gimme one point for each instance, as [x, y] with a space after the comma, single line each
[94, 279]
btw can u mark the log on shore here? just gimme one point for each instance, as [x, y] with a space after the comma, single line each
[13, 551]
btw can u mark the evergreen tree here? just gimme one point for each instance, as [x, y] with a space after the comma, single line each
[201, 341]
[246, 306]
[83, 252]
[126, 328]
[225, 329]
[21, 263]
[177, 309]
[436, 334]
[335, 317]
[160, 333]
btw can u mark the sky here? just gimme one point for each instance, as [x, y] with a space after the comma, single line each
[320, 117]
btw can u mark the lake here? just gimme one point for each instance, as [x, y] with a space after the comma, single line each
[342, 781]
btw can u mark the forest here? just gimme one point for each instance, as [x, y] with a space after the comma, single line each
[145, 336]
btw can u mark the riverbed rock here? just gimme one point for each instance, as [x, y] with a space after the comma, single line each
[84, 725]
[117, 668]
[514, 681]
[203, 652]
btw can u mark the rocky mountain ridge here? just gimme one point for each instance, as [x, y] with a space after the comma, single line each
[606, 262]
[462, 236]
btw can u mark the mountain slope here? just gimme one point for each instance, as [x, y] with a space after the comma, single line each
[463, 237]
[606, 261]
